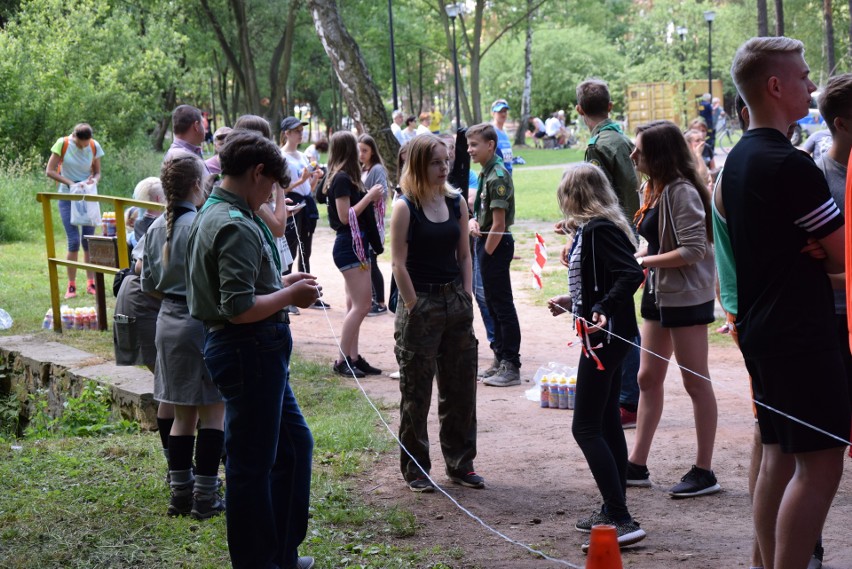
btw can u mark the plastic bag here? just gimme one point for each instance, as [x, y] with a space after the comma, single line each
[83, 212]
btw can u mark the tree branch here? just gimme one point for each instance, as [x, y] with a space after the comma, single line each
[223, 41]
[512, 26]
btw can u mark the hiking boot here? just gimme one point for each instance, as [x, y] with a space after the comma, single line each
[585, 524]
[421, 485]
[181, 484]
[491, 370]
[628, 419]
[696, 482]
[638, 476]
[347, 368]
[507, 376]
[305, 563]
[206, 500]
[362, 364]
[628, 533]
[471, 480]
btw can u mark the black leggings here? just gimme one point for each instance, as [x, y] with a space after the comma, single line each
[304, 227]
[597, 425]
[377, 278]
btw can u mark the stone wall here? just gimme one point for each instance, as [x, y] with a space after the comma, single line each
[29, 364]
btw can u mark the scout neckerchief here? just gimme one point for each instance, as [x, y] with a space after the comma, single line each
[609, 126]
[267, 234]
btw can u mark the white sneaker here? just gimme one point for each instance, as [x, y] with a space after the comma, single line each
[394, 375]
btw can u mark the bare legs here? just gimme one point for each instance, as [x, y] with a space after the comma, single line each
[689, 345]
[188, 418]
[791, 500]
[72, 271]
[358, 300]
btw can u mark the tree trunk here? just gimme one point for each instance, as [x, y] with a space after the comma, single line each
[779, 17]
[361, 95]
[249, 71]
[763, 19]
[829, 37]
[169, 98]
[279, 67]
[521, 131]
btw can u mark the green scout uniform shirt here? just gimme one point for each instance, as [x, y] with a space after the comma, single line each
[495, 191]
[610, 150]
[229, 261]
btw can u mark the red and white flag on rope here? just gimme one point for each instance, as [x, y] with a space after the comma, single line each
[540, 258]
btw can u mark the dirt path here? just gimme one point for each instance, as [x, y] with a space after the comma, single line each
[538, 483]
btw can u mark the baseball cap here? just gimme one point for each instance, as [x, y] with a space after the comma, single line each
[499, 105]
[290, 123]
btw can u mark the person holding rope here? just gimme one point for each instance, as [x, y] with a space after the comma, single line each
[433, 330]
[677, 301]
[772, 225]
[235, 287]
[602, 277]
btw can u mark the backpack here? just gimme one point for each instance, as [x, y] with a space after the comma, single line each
[65, 142]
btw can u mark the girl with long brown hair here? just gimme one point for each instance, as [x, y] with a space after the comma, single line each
[678, 299]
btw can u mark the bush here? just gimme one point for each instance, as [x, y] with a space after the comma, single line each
[88, 415]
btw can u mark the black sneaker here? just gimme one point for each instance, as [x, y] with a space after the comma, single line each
[347, 369]
[362, 365]
[816, 558]
[207, 506]
[422, 485]
[377, 310]
[585, 524]
[294, 310]
[628, 534]
[696, 482]
[471, 480]
[320, 305]
[638, 476]
[305, 563]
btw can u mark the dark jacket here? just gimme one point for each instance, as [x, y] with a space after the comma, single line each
[610, 276]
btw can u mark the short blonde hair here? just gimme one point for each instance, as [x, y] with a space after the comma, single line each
[756, 59]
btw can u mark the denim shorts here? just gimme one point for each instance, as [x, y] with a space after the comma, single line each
[344, 252]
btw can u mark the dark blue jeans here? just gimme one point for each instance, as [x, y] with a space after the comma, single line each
[479, 294]
[498, 295]
[629, 396]
[268, 442]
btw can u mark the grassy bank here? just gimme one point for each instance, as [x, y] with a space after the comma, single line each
[80, 503]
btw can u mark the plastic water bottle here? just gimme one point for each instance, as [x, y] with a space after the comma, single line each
[545, 392]
[572, 391]
[563, 393]
[554, 394]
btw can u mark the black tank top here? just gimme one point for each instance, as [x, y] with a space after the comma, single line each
[649, 228]
[432, 246]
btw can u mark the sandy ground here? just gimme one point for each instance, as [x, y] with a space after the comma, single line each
[538, 482]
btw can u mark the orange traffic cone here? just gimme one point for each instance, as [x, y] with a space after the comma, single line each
[603, 549]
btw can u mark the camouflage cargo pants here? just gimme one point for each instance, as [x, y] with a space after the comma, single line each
[436, 340]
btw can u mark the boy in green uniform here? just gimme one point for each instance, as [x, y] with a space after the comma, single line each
[495, 213]
[610, 149]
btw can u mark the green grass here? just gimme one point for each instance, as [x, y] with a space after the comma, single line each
[542, 157]
[100, 502]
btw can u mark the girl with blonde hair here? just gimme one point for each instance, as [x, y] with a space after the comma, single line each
[602, 277]
[433, 331]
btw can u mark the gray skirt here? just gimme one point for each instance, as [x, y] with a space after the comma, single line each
[133, 337]
[181, 376]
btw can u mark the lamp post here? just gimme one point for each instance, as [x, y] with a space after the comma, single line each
[681, 32]
[709, 16]
[393, 56]
[453, 10]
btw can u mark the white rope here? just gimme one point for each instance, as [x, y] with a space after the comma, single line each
[470, 514]
[717, 384]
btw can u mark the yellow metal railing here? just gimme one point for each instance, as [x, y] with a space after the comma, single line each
[118, 204]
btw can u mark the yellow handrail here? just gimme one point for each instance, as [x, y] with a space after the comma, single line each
[118, 203]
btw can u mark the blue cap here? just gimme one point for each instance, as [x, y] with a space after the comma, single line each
[499, 105]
